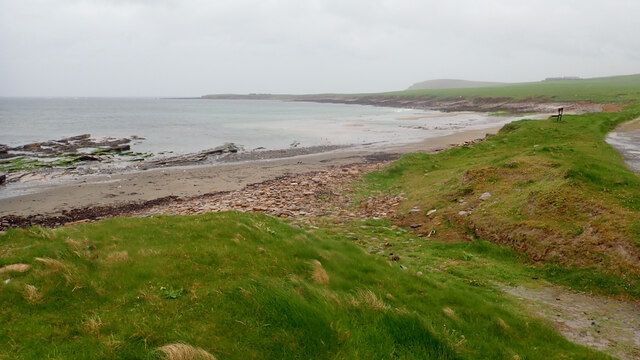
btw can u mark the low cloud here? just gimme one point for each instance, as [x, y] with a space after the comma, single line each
[192, 47]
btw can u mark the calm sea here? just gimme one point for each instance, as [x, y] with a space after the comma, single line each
[184, 126]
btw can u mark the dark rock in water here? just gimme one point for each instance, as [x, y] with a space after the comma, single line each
[4, 151]
[71, 145]
[3, 179]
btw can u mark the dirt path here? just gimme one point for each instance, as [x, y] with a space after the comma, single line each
[609, 325]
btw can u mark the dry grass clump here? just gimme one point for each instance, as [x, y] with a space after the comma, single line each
[319, 274]
[148, 252]
[330, 296]
[41, 232]
[74, 244]
[82, 249]
[93, 325]
[368, 299]
[53, 264]
[179, 351]
[117, 256]
[503, 324]
[58, 266]
[20, 268]
[449, 312]
[32, 294]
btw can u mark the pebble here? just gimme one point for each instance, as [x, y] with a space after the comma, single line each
[485, 196]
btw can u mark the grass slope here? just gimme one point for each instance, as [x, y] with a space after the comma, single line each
[616, 89]
[244, 286]
[559, 194]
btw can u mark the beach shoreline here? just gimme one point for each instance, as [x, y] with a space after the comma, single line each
[117, 194]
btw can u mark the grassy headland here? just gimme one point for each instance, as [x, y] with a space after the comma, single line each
[542, 96]
[614, 89]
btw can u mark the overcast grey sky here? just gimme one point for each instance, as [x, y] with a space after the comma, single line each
[194, 47]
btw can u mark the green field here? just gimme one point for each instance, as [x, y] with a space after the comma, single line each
[564, 209]
[247, 286]
[617, 89]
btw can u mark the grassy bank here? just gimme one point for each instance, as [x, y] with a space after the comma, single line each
[556, 193]
[249, 286]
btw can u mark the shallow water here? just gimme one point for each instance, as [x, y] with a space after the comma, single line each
[628, 143]
[190, 125]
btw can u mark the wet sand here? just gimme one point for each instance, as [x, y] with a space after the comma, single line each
[148, 185]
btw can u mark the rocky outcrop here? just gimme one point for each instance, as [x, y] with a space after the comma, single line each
[70, 145]
[194, 159]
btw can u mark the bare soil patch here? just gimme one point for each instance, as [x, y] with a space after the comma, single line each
[610, 325]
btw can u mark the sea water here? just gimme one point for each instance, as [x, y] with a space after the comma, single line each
[190, 125]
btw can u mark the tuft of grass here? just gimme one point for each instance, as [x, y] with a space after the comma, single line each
[31, 294]
[319, 274]
[14, 268]
[92, 325]
[184, 352]
[117, 257]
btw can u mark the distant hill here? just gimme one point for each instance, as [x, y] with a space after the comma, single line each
[451, 84]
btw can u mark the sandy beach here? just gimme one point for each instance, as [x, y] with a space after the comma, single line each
[193, 181]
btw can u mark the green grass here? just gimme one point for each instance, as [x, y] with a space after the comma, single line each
[241, 287]
[617, 89]
[560, 195]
